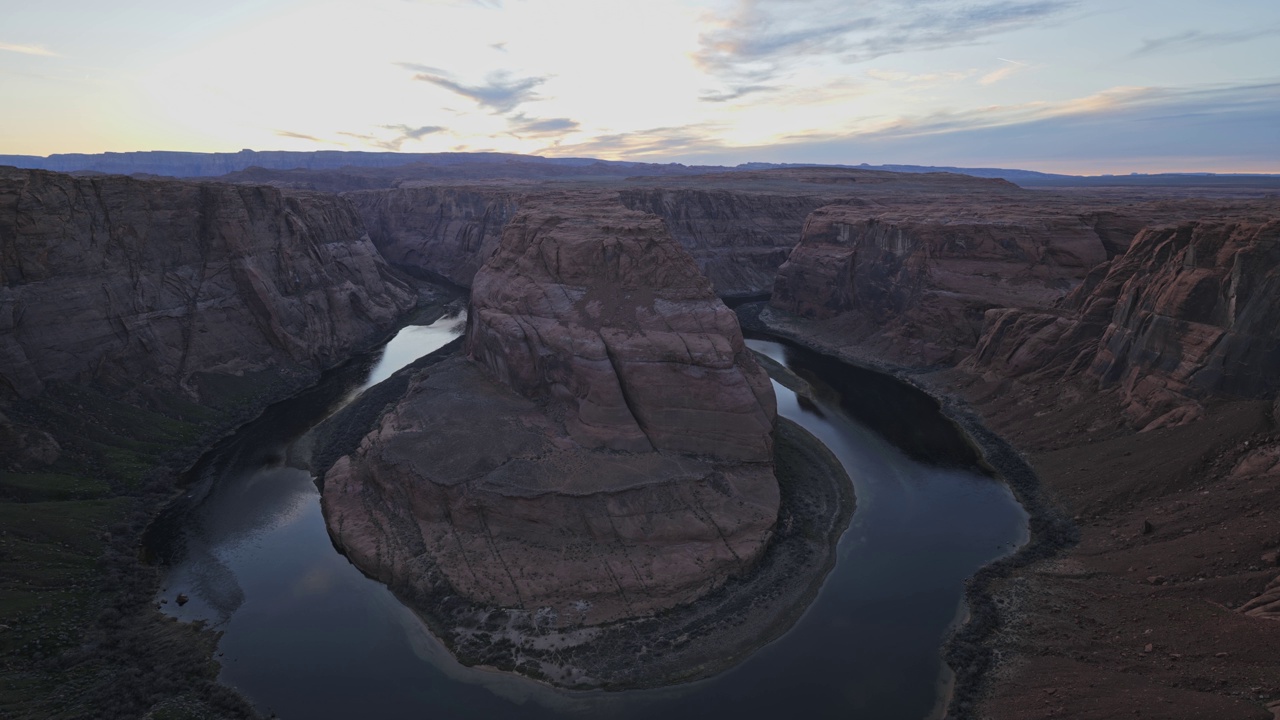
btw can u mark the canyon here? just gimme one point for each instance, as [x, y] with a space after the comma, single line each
[1123, 341]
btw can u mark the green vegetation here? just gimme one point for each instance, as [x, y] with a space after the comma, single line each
[80, 636]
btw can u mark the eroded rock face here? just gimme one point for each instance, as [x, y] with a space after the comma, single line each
[739, 239]
[128, 283]
[917, 282]
[597, 309]
[1189, 312]
[616, 453]
[443, 231]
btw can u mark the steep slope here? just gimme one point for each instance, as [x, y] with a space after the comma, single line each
[616, 459]
[914, 282]
[191, 288]
[441, 231]
[1190, 312]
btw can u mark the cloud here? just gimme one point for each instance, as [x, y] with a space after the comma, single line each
[734, 93]
[27, 49]
[1195, 39]
[403, 133]
[300, 136]
[501, 92]
[1212, 127]
[522, 126]
[897, 76]
[662, 142]
[997, 75]
[760, 38]
[412, 133]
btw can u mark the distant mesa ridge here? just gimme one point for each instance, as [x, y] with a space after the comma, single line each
[197, 164]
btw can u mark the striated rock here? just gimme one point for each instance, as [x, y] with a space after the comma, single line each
[916, 283]
[186, 287]
[1188, 312]
[738, 238]
[1267, 605]
[598, 309]
[441, 231]
[1198, 315]
[616, 457]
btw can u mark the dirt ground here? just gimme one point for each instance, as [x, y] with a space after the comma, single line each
[1178, 533]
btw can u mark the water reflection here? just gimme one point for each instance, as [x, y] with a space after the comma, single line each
[307, 636]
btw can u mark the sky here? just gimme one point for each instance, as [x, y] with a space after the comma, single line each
[1074, 86]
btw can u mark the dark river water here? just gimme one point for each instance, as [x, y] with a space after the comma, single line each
[307, 636]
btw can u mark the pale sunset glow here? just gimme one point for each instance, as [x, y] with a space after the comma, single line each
[1078, 86]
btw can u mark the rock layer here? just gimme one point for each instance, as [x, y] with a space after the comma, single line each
[440, 231]
[739, 239]
[616, 459]
[170, 285]
[917, 282]
[597, 309]
[1189, 312]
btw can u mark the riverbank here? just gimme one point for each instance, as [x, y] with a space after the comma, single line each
[1144, 549]
[81, 632]
[683, 644]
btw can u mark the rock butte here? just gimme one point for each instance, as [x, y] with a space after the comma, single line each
[616, 457]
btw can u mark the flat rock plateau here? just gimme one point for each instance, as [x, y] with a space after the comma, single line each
[1117, 342]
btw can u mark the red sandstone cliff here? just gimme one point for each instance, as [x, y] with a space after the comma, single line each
[169, 285]
[616, 454]
[440, 231]
[1189, 312]
[914, 282]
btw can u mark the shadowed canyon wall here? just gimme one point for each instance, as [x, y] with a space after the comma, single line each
[617, 454]
[1190, 311]
[172, 285]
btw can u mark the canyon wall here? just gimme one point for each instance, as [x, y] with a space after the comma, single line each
[441, 231]
[738, 238]
[915, 283]
[1189, 312]
[616, 459]
[137, 285]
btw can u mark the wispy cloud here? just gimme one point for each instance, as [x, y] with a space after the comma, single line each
[415, 133]
[1119, 130]
[402, 134]
[501, 92]
[759, 39]
[897, 76]
[27, 49]
[735, 93]
[654, 142]
[1012, 68]
[301, 136]
[522, 126]
[1196, 39]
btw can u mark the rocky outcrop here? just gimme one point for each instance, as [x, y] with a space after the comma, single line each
[199, 289]
[1189, 312]
[616, 457]
[442, 231]
[739, 239]
[25, 448]
[916, 283]
[595, 308]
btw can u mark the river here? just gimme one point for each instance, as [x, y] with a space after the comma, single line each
[306, 635]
